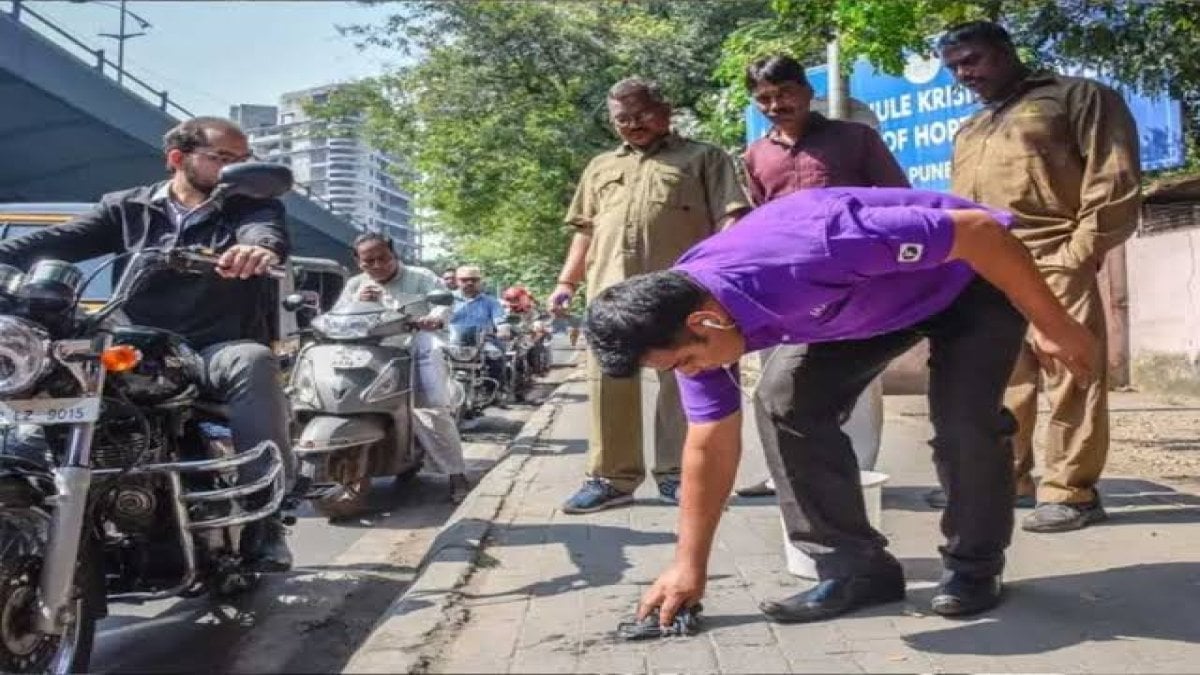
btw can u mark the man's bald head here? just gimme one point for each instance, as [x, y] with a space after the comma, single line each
[470, 280]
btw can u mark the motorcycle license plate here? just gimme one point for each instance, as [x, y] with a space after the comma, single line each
[350, 358]
[50, 411]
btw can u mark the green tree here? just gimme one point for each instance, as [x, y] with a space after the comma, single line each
[504, 106]
[1154, 46]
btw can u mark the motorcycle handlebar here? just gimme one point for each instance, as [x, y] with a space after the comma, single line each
[202, 260]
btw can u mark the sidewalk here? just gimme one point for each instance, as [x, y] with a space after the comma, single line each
[545, 590]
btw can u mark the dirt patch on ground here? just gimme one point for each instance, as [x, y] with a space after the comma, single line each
[1156, 438]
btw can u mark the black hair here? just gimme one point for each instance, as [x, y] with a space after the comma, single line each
[368, 237]
[777, 69]
[976, 32]
[645, 312]
[193, 133]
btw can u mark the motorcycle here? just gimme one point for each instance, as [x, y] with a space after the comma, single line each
[474, 361]
[351, 391]
[118, 483]
[526, 355]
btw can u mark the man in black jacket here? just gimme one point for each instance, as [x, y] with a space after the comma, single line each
[220, 315]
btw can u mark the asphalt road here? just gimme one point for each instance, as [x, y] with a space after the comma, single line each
[312, 618]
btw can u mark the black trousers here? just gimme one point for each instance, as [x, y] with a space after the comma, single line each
[802, 398]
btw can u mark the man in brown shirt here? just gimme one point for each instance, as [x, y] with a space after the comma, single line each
[1061, 154]
[805, 150]
[637, 209]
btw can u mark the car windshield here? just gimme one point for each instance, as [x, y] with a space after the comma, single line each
[100, 288]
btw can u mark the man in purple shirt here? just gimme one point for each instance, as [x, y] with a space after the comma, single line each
[859, 275]
[805, 150]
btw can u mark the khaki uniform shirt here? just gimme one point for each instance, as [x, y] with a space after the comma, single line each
[645, 208]
[1061, 154]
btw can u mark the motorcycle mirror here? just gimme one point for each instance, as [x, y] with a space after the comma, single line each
[439, 297]
[260, 180]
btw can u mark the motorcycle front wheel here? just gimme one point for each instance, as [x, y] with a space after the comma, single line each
[24, 649]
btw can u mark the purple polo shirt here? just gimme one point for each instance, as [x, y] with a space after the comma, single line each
[822, 265]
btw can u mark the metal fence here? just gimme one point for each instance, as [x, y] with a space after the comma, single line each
[96, 58]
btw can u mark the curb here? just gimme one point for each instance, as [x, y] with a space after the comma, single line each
[399, 640]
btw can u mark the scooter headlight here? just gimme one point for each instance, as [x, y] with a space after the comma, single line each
[346, 326]
[24, 355]
[303, 389]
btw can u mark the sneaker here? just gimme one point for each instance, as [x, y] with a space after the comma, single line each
[668, 490]
[596, 494]
[1055, 517]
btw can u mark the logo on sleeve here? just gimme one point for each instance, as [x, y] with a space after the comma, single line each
[910, 253]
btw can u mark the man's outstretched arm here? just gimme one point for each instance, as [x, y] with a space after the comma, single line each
[710, 459]
[999, 257]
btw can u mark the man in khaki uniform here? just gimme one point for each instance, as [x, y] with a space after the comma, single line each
[637, 209]
[1061, 154]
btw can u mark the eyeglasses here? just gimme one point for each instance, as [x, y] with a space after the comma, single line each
[624, 121]
[224, 157]
[466, 279]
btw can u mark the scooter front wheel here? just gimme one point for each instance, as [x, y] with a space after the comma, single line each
[349, 500]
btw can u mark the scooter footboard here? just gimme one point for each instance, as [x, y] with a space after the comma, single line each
[325, 434]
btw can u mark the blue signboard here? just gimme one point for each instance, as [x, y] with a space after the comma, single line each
[919, 112]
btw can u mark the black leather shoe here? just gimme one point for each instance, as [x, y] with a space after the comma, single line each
[834, 597]
[271, 553]
[959, 594]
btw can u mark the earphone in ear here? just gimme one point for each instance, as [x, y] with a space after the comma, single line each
[713, 324]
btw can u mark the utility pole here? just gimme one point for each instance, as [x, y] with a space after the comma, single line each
[839, 85]
[122, 36]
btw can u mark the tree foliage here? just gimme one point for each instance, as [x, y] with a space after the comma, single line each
[502, 103]
[1151, 45]
[505, 104]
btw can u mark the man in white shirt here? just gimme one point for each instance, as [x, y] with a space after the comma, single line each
[384, 277]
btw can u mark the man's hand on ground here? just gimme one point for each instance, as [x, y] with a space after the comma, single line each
[678, 587]
[242, 261]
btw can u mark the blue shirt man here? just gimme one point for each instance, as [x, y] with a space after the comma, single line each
[861, 275]
[474, 309]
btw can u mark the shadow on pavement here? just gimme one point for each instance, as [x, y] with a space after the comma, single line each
[599, 552]
[1152, 601]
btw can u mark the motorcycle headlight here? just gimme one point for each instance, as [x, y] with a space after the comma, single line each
[346, 326]
[24, 355]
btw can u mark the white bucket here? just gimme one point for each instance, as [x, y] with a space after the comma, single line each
[798, 562]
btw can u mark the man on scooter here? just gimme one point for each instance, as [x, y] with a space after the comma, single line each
[384, 278]
[221, 316]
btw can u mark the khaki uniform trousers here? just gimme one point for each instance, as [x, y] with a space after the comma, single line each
[615, 448]
[1077, 432]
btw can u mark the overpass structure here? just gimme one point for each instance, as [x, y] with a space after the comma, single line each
[70, 133]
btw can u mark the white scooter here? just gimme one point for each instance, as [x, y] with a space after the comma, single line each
[351, 390]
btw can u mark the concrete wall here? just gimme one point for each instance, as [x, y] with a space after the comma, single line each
[1164, 311]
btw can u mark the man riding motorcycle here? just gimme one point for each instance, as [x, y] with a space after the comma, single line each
[519, 301]
[223, 317]
[479, 314]
[384, 277]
